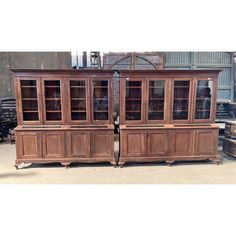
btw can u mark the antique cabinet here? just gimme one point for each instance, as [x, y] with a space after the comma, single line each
[168, 115]
[229, 141]
[64, 116]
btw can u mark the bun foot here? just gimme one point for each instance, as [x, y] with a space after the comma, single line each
[66, 164]
[169, 163]
[216, 161]
[114, 164]
[121, 164]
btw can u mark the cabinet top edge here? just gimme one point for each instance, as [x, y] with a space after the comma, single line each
[21, 72]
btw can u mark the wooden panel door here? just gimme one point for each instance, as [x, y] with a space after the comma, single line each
[28, 145]
[133, 143]
[206, 142]
[53, 144]
[181, 142]
[78, 144]
[157, 142]
[102, 144]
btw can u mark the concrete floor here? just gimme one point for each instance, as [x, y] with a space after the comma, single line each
[203, 172]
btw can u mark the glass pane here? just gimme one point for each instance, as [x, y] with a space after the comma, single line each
[203, 99]
[78, 115]
[133, 100]
[53, 99]
[30, 116]
[100, 100]
[181, 100]
[156, 100]
[53, 105]
[28, 83]
[53, 116]
[78, 83]
[29, 100]
[78, 100]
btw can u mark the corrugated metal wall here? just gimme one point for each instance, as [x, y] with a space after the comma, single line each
[206, 60]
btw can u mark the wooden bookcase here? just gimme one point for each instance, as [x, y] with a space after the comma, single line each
[168, 115]
[64, 116]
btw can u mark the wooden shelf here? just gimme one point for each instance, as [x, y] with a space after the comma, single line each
[180, 111]
[30, 111]
[53, 99]
[133, 111]
[82, 111]
[52, 86]
[132, 87]
[150, 99]
[203, 110]
[133, 99]
[78, 99]
[100, 86]
[29, 99]
[157, 87]
[28, 86]
[98, 98]
[53, 111]
[74, 86]
[203, 98]
[181, 87]
[181, 98]
[101, 111]
[156, 111]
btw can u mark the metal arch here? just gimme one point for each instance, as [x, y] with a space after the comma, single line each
[147, 61]
[137, 56]
[123, 58]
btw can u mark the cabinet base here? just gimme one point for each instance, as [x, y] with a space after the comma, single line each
[169, 160]
[64, 162]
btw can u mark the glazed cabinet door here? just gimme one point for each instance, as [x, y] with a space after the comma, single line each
[102, 144]
[53, 144]
[205, 100]
[133, 143]
[156, 100]
[52, 93]
[28, 145]
[181, 142]
[132, 101]
[78, 101]
[78, 144]
[206, 142]
[28, 101]
[101, 100]
[181, 100]
[157, 142]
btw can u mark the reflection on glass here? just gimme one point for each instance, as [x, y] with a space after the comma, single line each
[133, 100]
[52, 99]
[29, 100]
[203, 99]
[78, 100]
[181, 100]
[100, 100]
[156, 100]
